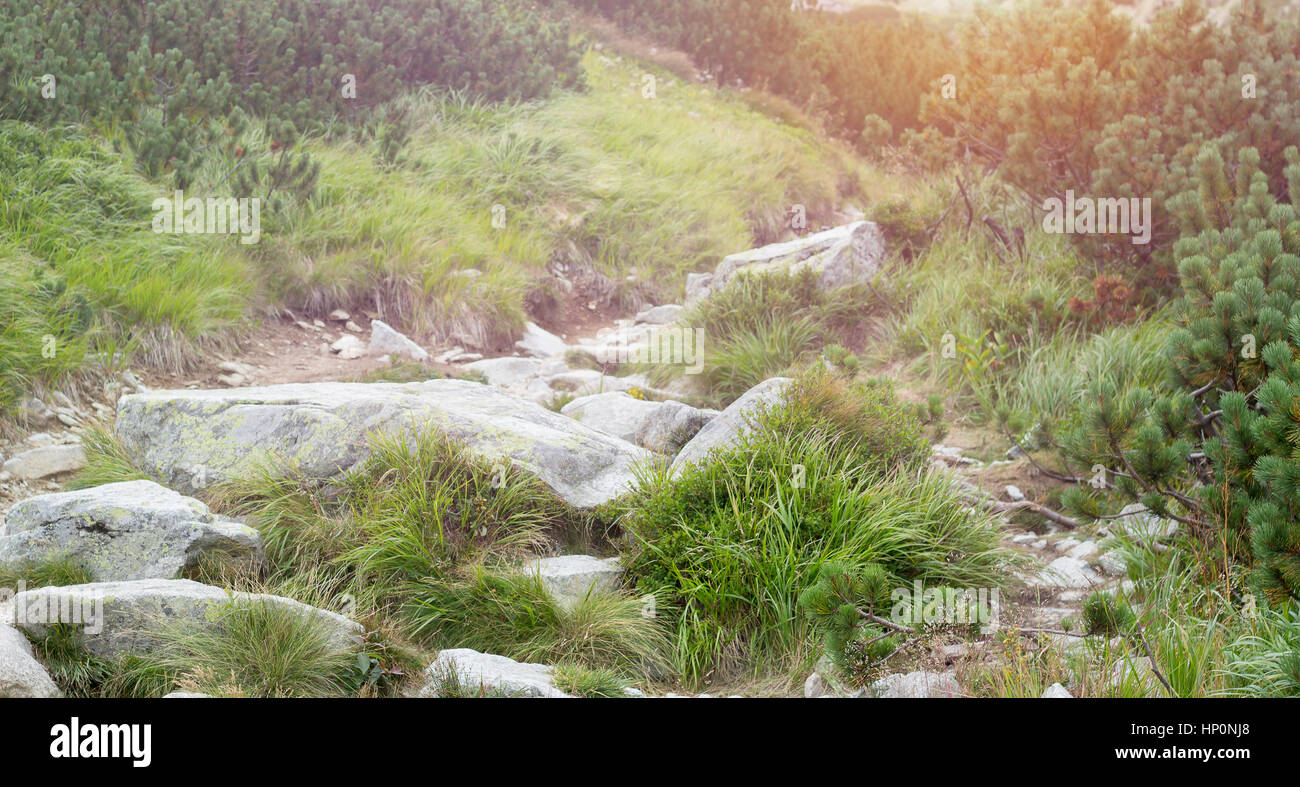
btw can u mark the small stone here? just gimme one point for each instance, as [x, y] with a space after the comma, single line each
[1014, 494]
[1057, 691]
[46, 461]
[384, 340]
[338, 315]
[916, 685]
[348, 348]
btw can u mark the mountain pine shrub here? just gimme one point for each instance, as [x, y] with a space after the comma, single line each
[1218, 448]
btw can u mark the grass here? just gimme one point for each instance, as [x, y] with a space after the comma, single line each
[590, 179]
[513, 615]
[580, 681]
[87, 281]
[107, 460]
[45, 573]
[728, 546]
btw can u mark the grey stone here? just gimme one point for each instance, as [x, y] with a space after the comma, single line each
[325, 427]
[113, 618]
[508, 373]
[570, 578]
[123, 531]
[348, 347]
[839, 256]
[662, 427]
[660, 315]
[1014, 493]
[916, 685]
[46, 461]
[1057, 691]
[1068, 572]
[727, 428]
[491, 674]
[21, 675]
[384, 340]
[186, 695]
[1136, 521]
[540, 342]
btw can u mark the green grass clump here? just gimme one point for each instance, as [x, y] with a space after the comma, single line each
[830, 475]
[580, 681]
[58, 572]
[258, 649]
[107, 460]
[84, 273]
[761, 326]
[513, 615]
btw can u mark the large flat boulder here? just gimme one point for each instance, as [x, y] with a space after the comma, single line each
[662, 427]
[122, 531]
[324, 428]
[839, 256]
[726, 429]
[113, 618]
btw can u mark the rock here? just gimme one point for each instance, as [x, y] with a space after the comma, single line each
[231, 380]
[1057, 691]
[726, 429]
[351, 326]
[385, 340]
[46, 461]
[586, 382]
[113, 618]
[1112, 564]
[348, 347]
[490, 674]
[840, 256]
[815, 687]
[1068, 572]
[663, 427]
[235, 367]
[123, 531]
[540, 343]
[508, 373]
[1024, 538]
[42, 439]
[1084, 550]
[186, 695]
[1136, 521]
[21, 675]
[1065, 545]
[448, 355]
[324, 428]
[916, 685]
[132, 382]
[338, 315]
[1014, 494]
[660, 315]
[570, 578]
[697, 286]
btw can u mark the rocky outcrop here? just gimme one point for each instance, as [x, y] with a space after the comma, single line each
[489, 675]
[113, 618]
[839, 256]
[662, 427]
[570, 578]
[123, 531]
[726, 429]
[324, 429]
